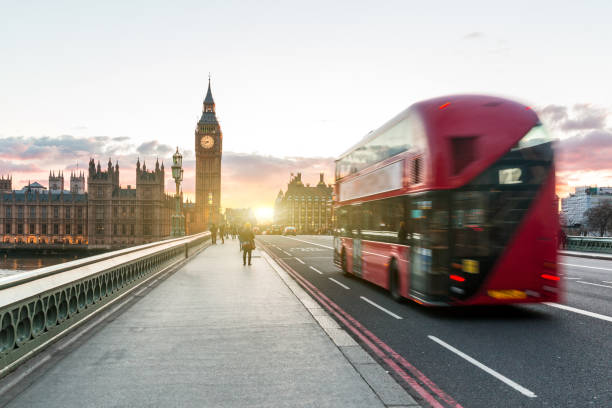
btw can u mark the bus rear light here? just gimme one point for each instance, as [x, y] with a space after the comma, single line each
[457, 278]
[444, 106]
[550, 277]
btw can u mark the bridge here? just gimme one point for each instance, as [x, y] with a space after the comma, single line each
[182, 322]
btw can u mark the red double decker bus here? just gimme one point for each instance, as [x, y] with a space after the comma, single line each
[452, 202]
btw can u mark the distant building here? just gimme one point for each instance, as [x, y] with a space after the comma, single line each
[37, 216]
[308, 209]
[33, 187]
[77, 183]
[6, 184]
[120, 217]
[106, 217]
[574, 206]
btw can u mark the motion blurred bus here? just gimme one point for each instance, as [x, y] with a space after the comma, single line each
[452, 202]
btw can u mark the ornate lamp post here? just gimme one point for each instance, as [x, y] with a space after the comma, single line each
[178, 219]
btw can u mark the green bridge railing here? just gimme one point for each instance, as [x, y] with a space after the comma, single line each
[40, 306]
[589, 244]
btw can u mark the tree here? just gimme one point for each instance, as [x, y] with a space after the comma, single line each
[599, 217]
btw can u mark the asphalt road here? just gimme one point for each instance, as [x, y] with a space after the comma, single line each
[504, 356]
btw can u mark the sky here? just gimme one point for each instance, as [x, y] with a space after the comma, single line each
[295, 83]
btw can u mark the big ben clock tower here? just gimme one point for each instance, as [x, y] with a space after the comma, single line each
[208, 147]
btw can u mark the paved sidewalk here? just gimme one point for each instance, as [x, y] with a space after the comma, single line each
[214, 334]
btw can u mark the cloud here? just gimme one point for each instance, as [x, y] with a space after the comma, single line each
[579, 117]
[154, 148]
[9, 167]
[588, 152]
[473, 35]
[248, 180]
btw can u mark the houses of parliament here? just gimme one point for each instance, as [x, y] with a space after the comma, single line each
[96, 212]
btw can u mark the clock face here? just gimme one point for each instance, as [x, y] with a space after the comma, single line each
[207, 142]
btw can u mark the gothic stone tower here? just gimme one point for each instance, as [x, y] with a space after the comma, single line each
[208, 147]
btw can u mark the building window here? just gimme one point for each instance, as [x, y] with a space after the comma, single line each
[8, 212]
[32, 212]
[146, 229]
[100, 192]
[67, 213]
[132, 229]
[132, 210]
[123, 229]
[123, 211]
[79, 212]
[44, 213]
[147, 213]
[67, 229]
[115, 211]
[80, 229]
[55, 212]
[99, 229]
[19, 229]
[99, 212]
[20, 212]
[55, 229]
[32, 229]
[115, 229]
[43, 229]
[7, 229]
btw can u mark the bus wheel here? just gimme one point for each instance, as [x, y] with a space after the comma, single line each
[394, 281]
[343, 262]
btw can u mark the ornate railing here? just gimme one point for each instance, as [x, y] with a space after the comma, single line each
[39, 306]
[589, 244]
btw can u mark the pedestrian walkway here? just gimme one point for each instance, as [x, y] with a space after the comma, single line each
[591, 255]
[214, 334]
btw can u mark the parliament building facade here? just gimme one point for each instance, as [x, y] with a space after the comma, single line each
[106, 216]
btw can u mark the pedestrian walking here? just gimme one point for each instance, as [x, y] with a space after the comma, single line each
[247, 243]
[213, 233]
[222, 232]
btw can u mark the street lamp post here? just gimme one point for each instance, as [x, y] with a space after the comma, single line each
[178, 219]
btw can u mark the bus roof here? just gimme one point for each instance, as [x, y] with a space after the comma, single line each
[426, 107]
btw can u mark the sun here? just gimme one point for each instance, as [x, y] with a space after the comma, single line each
[264, 214]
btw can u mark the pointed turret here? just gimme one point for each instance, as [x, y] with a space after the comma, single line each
[208, 100]
[208, 108]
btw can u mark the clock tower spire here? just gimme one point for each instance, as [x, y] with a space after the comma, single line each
[208, 147]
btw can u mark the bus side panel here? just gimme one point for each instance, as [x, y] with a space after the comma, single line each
[376, 256]
[531, 253]
[404, 270]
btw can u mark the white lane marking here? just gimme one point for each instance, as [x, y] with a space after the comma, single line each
[381, 308]
[316, 270]
[311, 243]
[483, 367]
[580, 311]
[607, 281]
[339, 283]
[584, 266]
[287, 253]
[300, 261]
[572, 278]
[595, 284]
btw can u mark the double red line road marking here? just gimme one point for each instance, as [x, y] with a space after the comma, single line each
[422, 385]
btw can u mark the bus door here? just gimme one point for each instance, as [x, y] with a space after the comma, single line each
[357, 263]
[429, 221]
